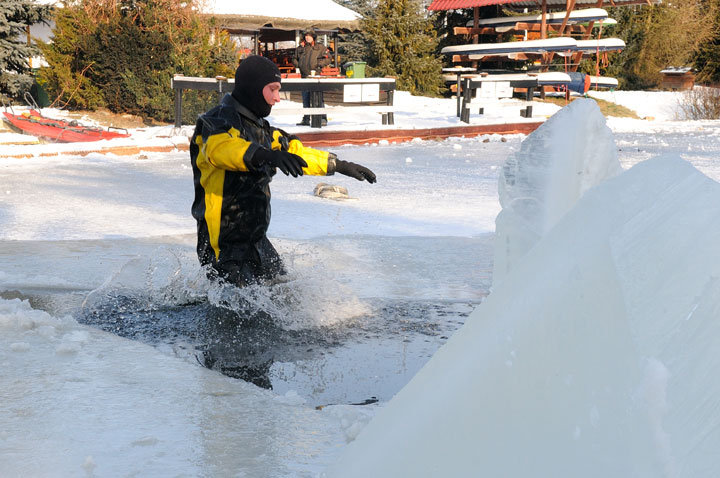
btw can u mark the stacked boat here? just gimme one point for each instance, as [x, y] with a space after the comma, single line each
[522, 50]
[597, 16]
[586, 20]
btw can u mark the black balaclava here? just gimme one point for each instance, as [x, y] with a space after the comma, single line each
[253, 74]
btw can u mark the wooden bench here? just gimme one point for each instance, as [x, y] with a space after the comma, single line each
[356, 91]
[387, 111]
[471, 85]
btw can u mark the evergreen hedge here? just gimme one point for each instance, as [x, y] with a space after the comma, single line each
[122, 54]
[657, 36]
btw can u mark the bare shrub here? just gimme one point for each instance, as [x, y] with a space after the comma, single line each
[700, 103]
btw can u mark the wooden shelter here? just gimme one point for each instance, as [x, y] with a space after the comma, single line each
[269, 22]
[539, 31]
[677, 78]
[543, 5]
[567, 5]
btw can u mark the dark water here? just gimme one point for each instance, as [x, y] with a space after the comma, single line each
[359, 316]
[367, 359]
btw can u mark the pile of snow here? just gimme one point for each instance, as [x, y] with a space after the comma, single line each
[58, 374]
[594, 357]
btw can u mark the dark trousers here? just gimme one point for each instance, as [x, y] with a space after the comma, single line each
[306, 104]
[237, 333]
[261, 262]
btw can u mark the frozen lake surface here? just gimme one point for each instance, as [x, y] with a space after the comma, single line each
[376, 285]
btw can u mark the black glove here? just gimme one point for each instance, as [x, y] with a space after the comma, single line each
[354, 171]
[288, 163]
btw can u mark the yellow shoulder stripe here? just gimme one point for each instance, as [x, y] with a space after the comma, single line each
[227, 150]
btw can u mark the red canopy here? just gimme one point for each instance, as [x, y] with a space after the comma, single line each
[533, 4]
[458, 4]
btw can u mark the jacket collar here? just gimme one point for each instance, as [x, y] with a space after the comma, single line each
[229, 100]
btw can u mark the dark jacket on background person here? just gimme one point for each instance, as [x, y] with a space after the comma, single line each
[311, 57]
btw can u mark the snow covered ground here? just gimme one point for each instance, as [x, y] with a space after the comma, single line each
[412, 112]
[383, 278]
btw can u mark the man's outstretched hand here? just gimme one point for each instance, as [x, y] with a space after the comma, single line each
[288, 163]
[361, 173]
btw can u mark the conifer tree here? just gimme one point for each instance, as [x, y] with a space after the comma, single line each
[707, 60]
[16, 16]
[122, 54]
[657, 36]
[403, 44]
[354, 46]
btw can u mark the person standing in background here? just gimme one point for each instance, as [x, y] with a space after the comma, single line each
[311, 56]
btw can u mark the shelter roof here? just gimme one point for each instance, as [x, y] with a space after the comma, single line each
[673, 70]
[532, 4]
[460, 4]
[282, 14]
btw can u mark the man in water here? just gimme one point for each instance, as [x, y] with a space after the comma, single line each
[234, 154]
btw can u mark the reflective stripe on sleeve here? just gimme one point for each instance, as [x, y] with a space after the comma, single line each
[228, 150]
[317, 161]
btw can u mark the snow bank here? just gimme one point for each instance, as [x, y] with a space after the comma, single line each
[595, 357]
[653, 105]
[80, 401]
[566, 156]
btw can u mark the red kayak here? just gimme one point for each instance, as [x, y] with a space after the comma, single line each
[62, 131]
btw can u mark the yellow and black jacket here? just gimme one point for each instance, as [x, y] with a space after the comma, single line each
[232, 200]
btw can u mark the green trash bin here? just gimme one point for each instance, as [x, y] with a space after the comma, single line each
[355, 69]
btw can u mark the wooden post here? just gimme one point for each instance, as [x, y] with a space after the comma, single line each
[336, 38]
[220, 80]
[588, 31]
[476, 25]
[543, 22]
[27, 31]
[390, 101]
[467, 98]
[178, 108]
[569, 6]
[458, 93]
